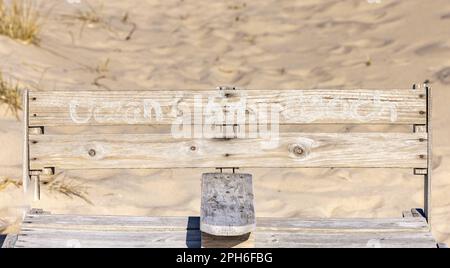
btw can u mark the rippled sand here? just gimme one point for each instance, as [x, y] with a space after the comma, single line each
[251, 44]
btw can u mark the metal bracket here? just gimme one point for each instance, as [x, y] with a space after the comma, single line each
[222, 168]
[35, 178]
[36, 130]
[420, 171]
[228, 131]
[228, 91]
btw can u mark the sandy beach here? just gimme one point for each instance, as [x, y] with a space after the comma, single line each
[180, 44]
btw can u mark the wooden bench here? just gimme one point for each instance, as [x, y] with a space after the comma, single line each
[209, 130]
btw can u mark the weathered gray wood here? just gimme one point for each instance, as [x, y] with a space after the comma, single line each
[227, 207]
[88, 222]
[37, 211]
[9, 241]
[35, 130]
[399, 150]
[442, 245]
[41, 230]
[427, 184]
[75, 238]
[358, 106]
[343, 225]
[37, 187]
[25, 156]
[111, 223]
[407, 214]
[240, 241]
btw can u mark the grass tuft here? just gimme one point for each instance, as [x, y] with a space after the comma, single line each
[90, 15]
[69, 189]
[20, 20]
[5, 182]
[10, 95]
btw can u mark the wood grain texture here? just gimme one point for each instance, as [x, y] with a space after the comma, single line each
[25, 156]
[240, 241]
[428, 176]
[91, 222]
[227, 204]
[324, 106]
[40, 230]
[10, 241]
[400, 150]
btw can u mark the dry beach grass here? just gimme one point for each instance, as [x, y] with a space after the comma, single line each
[20, 20]
[10, 95]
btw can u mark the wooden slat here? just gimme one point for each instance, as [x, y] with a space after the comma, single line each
[122, 231]
[427, 182]
[25, 163]
[240, 241]
[10, 241]
[75, 238]
[111, 223]
[400, 150]
[331, 240]
[343, 225]
[261, 240]
[358, 106]
[227, 204]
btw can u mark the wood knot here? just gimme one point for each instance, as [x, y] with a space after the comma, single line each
[92, 152]
[298, 150]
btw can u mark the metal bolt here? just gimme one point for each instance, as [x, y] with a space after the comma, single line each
[193, 148]
[92, 152]
[298, 150]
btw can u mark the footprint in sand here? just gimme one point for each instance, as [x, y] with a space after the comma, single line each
[445, 16]
[444, 76]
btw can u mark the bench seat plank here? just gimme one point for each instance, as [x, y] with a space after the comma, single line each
[346, 150]
[127, 231]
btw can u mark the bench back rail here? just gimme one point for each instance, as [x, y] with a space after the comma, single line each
[226, 127]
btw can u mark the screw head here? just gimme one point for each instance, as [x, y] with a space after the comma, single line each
[298, 150]
[92, 152]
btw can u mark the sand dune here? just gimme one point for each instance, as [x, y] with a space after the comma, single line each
[252, 44]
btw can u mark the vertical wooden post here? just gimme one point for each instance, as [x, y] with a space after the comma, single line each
[427, 183]
[37, 187]
[25, 160]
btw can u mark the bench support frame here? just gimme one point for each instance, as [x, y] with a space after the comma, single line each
[426, 172]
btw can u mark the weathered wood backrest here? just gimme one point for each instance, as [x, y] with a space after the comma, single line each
[236, 142]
